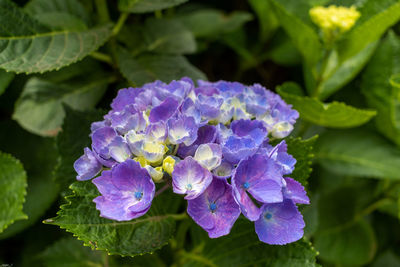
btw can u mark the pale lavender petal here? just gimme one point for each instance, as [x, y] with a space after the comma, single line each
[190, 178]
[205, 134]
[182, 129]
[87, 166]
[164, 111]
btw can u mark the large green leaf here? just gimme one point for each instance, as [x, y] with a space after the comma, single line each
[149, 67]
[40, 109]
[381, 93]
[376, 18]
[242, 248]
[343, 236]
[39, 157]
[293, 16]
[71, 252]
[335, 114]
[212, 23]
[143, 6]
[168, 36]
[5, 80]
[142, 235]
[342, 72]
[59, 14]
[28, 46]
[358, 153]
[73, 138]
[12, 190]
[303, 152]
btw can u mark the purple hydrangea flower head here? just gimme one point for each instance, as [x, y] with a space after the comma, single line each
[87, 166]
[209, 156]
[182, 129]
[211, 143]
[215, 210]
[190, 178]
[260, 177]
[295, 191]
[126, 191]
[280, 223]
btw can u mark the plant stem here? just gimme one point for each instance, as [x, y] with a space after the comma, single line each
[178, 217]
[121, 21]
[102, 11]
[102, 57]
[162, 189]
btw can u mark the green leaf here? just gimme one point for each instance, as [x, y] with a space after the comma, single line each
[149, 67]
[71, 252]
[5, 80]
[374, 21]
[242, 248]
[167, 36]
[303, 152]
[343, 236]
[143, 6]
[335, 114]
[211, 23]
[142, 235]
[380, 87]
[73, 138]
[40, 109]
[59, 14]
[358, 153]
[268, 21]
[293, 16]
[39, 157]
[352, 245]
[344, 71]
[12, 190]
[28, 46]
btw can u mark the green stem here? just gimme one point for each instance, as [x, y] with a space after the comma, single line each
[178, 217]
[158, 14]
[121, 21]
[102, 11]
[102, 57]
[175, 149]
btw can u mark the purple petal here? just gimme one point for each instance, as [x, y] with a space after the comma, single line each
[164, 111]
[224, 170]
[205, 134]
[280, 223]
[87, 166]
[125, 97]
[127, 191]
[209, 155]
[209, 106]
[190, 178]
[215, 210]
[280, 155]
[295, 191]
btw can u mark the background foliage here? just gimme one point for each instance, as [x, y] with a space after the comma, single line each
[62, 62]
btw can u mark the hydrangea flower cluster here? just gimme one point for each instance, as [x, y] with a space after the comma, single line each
[211, 144]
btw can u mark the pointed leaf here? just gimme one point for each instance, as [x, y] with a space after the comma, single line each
[335, 114]
[12, 190]
[5, 80]
[380, 87]
[143, 6]
[303, 152]
[28, 46]
[142, 235]
[149, 67]
[358, 153]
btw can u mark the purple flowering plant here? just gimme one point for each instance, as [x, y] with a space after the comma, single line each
[218, 144]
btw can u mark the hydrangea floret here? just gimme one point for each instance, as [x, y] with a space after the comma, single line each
[211, 143]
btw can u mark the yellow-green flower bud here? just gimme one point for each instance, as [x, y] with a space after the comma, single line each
[168, 165]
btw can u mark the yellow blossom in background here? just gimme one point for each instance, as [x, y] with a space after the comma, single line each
[169, 164]
[334, 20]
